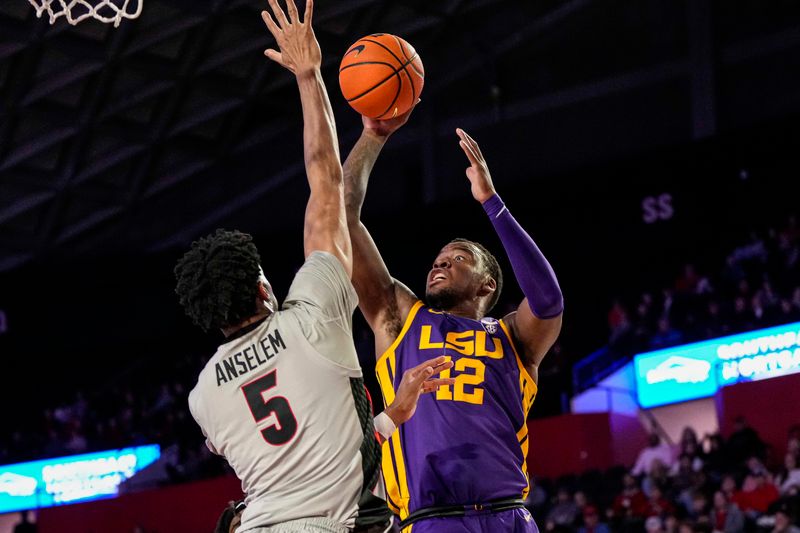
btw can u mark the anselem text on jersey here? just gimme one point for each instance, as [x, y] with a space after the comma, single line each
[249, 358]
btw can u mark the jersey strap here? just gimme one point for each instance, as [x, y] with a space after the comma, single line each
[528, 390]
[397, 494]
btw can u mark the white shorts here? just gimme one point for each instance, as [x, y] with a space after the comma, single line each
[317, 524]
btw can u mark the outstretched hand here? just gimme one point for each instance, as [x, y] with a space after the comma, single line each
[384, 128]
[299, 49]
[478, 171]
[416, 381]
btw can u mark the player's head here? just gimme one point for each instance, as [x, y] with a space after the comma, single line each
[464, 270]
[231, 517]
[220, 282]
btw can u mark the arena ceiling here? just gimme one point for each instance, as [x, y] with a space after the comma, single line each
[145, 136]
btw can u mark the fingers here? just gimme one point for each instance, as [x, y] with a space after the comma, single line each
[274, 55]
[472, 142]
[292, 8]
[437, 364]
[271, 26]
[432, 385]
[436, 361]
[422, 374]
[309, 12]
[471, 155]
[279, 14]
[278, 58]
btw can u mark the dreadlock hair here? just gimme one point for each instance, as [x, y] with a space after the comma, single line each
[217, 279]
[489, 265]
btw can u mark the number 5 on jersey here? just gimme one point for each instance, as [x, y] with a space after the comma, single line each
[276, 434]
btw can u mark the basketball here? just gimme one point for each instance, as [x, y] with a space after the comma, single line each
[381, 76]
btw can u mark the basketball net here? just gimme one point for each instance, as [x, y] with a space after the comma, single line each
[77, 11]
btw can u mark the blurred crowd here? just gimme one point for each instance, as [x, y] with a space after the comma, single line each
[704, 485]
[756, 285]
[132, 411]
[700, 485]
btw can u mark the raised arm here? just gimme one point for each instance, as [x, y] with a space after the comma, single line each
[536, 323]
[325, 226]
[383, 300]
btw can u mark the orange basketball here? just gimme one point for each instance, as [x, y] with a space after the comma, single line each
[381, 76]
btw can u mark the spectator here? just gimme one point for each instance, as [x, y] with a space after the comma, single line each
[688, 436]
[656, 479]
[25, 526]
[654, 524]
[655, 450]
[783, 520]
[793, 442]
[665, 335]
[682, 474]
[796, 299]
[790, 475]
[726, 517]
[591, 521]
[715, 457]
[631, 502]
[618, 322]
[715, 323]
[698, 511]
[658, 505]
[564, 512]
[536, 502]
[729, 487]
[756, 496]
[580, 500]
[687, 281]
[671, 524]
[744, 442]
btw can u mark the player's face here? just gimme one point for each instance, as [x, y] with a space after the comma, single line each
[453, 277]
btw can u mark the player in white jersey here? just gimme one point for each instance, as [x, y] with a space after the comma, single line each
[283, 398]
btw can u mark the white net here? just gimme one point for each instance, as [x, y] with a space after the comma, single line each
[75, 11]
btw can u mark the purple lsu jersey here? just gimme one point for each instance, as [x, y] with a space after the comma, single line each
[466, 443]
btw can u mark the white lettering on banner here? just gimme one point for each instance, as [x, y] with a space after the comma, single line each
[770, 363]
[759, 345]
[81, 479]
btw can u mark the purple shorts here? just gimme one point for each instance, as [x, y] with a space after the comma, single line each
[510, 521]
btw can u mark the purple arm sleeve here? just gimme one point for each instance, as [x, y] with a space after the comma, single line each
[534, 274]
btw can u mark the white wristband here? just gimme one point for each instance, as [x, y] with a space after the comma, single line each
[384, 425]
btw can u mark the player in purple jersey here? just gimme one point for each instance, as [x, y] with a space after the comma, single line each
[459, 465]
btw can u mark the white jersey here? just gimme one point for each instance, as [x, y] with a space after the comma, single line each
[285, 403]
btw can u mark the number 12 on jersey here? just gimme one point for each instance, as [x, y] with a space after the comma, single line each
[276, 434]
[475, 377]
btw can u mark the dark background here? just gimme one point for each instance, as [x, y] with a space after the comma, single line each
[118, 147]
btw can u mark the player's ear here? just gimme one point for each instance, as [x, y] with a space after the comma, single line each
[263, 292]
[488, 287]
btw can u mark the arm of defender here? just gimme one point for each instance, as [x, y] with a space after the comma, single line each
[383, 300]
[325, 226]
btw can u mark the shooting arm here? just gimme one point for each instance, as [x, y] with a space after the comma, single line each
[383, 300]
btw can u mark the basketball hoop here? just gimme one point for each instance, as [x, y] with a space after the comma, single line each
[76, 11]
